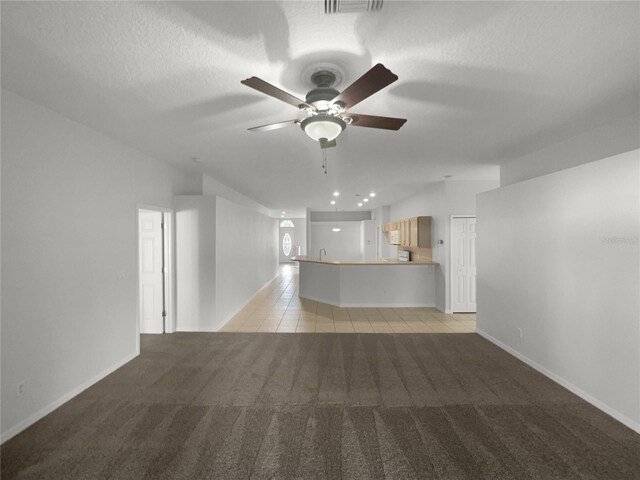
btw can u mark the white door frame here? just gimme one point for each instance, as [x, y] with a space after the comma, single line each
[450, 263]
[168, 217]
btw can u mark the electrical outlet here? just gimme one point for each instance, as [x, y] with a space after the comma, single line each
[21, 388]
[520, 334]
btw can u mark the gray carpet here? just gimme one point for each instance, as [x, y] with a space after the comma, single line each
[324, 406]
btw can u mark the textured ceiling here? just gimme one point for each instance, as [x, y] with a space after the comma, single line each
[480, 83]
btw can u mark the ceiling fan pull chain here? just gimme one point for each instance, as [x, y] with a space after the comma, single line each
[324, 161]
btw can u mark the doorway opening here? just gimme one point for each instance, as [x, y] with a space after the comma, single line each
[463, 263]
[155, 271]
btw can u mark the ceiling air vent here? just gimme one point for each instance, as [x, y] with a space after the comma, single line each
[352, 6]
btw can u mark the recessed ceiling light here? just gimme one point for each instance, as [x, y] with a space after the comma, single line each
[336, 193]
[283, 213]
[360, 204]
[365, 199]
[336, 229]
[333, 202]
[372, 194]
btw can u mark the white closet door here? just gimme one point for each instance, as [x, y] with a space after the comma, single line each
[151, 286]
[463, 264]
[471, 267]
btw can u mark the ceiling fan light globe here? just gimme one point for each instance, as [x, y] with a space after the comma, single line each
[321, 126]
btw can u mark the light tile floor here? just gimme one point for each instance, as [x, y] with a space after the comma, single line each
[277, 308]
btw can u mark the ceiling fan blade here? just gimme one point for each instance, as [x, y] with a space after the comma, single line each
[273, 126]
[324, 143]
[268, 89]
[372, 121]
[375, 79]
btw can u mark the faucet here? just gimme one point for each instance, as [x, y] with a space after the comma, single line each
[320, 255]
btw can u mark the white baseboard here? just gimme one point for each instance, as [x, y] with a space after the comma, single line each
[219, 325]
[317, 299]
[368, 305]
[237, 310]
[189, 328]
[633, 425]
[27, 422]
[387, 305]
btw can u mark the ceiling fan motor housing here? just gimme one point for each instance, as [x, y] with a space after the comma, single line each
[324, 81]
[321, 94]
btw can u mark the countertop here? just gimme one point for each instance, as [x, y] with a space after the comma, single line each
[302, 258]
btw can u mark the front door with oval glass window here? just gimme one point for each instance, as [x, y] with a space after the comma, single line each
[287, 237]
[286, 244]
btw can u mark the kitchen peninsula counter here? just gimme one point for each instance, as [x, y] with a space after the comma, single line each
[354, 262]
[386, 283]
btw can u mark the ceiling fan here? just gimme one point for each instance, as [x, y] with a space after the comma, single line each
[326, 108]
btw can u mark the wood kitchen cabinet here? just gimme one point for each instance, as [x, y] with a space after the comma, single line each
[420, 232]
[413, 232]
[405, 233]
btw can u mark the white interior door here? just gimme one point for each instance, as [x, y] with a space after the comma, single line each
[151, 279]
[463, 264]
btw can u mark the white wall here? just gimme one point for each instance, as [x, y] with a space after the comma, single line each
[195, 263]
[309, 252]
[346, 244]
[380, 216]
[342, 216]
[558, 257]
[440, 200]
[69, 254]
[601, 142]
[301, 234]
[246, 249]
[212, 187]
[226, 254]
[368, 235]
